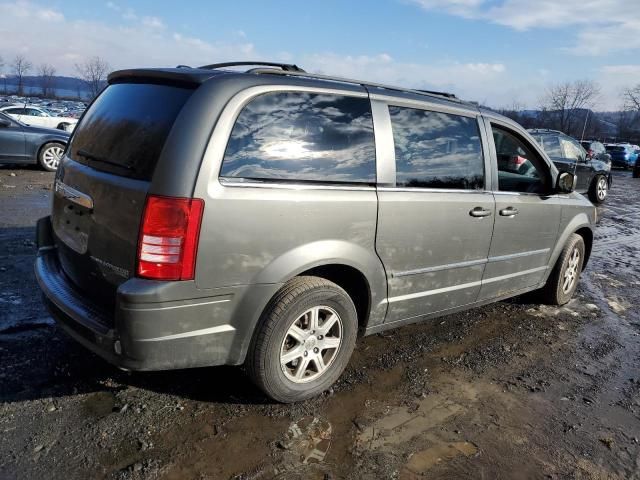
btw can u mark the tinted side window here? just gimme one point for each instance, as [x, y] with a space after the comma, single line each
[573, 150]
[519, 168]
[551, 145]
[436, 150]
[299, 136]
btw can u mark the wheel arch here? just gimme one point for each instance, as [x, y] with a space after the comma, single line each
[587, 236]
[353, 267]
[581, 225]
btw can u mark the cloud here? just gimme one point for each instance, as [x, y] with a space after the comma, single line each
[136, 41]
[474, 81]
[600, 26]
[152, 22]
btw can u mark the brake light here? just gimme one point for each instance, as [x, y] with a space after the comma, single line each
[169, 238]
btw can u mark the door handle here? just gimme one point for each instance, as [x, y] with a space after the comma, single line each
[509, 212]
[479, 212]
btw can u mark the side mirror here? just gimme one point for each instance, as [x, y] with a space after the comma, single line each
[4, 123]
[566, 182]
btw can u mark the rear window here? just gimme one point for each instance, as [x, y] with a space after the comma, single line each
[299, 136]
[125, 129]
[615, 148]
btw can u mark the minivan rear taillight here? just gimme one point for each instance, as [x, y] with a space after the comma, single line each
[169, 238]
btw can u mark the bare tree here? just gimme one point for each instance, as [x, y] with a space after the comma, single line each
[631, 97]
[47, 79]
[21, 67]
[93, 73]
[564, 104]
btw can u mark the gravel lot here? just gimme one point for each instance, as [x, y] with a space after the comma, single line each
[511, 390]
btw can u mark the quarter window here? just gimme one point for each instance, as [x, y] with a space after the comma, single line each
[519, 168]
[573, 150]
[436, 150]
[299, 136]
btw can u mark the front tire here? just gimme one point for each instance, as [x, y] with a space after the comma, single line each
[563, 281]
[50, 156]
[304, 340]
[599, 190]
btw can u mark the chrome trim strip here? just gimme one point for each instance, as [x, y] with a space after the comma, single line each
[193, 333]
[452, 288]
[511, 256]
[429, 190]
[438, 268]
[385, 149]
[291, 186]
[470, 263]
[428, 293]
[428, 103]
[522, 194]
[172, 307]
[73, 195]
[513, 275]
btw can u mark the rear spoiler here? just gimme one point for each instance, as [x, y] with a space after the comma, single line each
[180, 76]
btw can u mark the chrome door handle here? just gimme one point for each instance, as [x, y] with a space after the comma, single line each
[479, 212]
[509, 212]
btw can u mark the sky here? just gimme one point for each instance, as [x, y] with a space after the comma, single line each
[497, 52]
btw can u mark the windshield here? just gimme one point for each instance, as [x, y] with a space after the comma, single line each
[615, 148]
[125, 129]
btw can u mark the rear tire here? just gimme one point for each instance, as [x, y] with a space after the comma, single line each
[304, 340]
[50, 155]
[599, 190]
[563, 281]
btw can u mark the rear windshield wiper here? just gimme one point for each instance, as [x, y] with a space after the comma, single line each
[95, 158]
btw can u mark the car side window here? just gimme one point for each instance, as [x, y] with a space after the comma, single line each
[551, 145]
[32, 112]
[436, 150]
[15, 111]
[572, 150]
[520, 169]
[300, 136]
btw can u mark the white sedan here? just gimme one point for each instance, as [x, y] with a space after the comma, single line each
[37, 116]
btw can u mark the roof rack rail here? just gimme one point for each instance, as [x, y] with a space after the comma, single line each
[434, 92]
[272, 71]
[286, 67]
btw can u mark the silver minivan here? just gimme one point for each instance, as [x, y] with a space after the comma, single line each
[269, 217]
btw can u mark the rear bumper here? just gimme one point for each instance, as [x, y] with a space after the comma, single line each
[155, 325]
[622, 163]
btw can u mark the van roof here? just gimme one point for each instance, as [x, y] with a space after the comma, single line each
[197, 76]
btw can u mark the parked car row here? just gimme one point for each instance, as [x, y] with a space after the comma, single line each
[25, 144]
[34, 111]
[623, 155]
[588, 160]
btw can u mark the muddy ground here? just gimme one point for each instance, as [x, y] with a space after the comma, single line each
[511, 390]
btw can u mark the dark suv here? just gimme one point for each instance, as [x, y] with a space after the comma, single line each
[592, 165]
[203, 216]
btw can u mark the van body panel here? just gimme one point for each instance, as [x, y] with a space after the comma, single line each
[420, 251]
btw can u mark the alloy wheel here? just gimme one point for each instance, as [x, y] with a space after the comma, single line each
[571, 273]
[51, 156]
[601, 189]
[311, 344]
